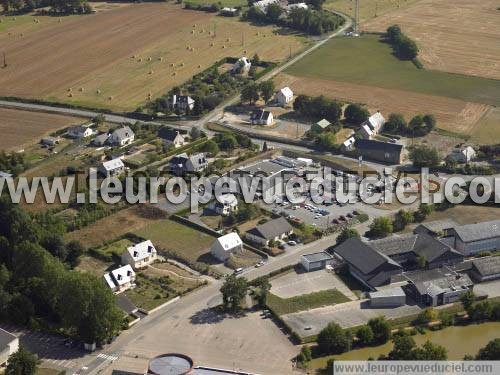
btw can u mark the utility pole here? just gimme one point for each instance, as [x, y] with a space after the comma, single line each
[356, 18]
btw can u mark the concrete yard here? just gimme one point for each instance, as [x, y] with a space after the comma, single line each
[347, 315]
[294, 284]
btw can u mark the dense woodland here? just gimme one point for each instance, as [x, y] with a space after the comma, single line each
[37, 286]
[56, 6]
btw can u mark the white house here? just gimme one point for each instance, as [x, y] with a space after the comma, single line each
[263, 4]
[242, 66]
[348, 144]
[462, 155]
[225, 204]
[121, 279]
[226, 245]
[80, 131]
[9, 344]
[111, 167]
[181, 103]
[261, 117]
[284, 96]
[140, 255]
[365, 132]
[172, 136]
[121, 136]
[375, 122]
[291, 7]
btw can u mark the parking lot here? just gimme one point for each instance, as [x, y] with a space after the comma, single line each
[51, 349]
[349, 314]
[294, 284]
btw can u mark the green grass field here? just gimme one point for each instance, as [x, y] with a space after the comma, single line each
[116, 248]
[179, 238]
[367, 61]
[282, 306]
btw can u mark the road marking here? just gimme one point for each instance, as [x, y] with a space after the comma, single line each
[107, 357]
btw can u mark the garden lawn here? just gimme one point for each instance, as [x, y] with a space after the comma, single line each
[116, 248]
[282, 306]
[181, 239]
[339, 60]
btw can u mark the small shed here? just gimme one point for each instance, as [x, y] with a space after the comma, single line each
[316, 261]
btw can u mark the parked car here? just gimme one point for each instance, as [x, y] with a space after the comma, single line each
[238, 270]
[292, 243]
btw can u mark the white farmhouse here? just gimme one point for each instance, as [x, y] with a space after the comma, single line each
[80, 131]
[140, 255]
[261, 117]
[121, 279]
[284, 96]
[111, 168]
[462, 155]
[226, 245]
[9, 344]
[242, 66]
[375, 122]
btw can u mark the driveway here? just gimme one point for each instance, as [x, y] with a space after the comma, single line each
[294, 284]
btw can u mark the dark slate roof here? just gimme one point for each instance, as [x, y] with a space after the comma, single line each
[372, 145]
[167, 134]
[5, 339]
[363, 257]
[420, 244]
[272, 228]
[479, 231]
[487, 266]
[437, 226]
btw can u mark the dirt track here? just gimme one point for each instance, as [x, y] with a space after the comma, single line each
[22, 127]
[451, 114]
[93, 55]
[458, 36]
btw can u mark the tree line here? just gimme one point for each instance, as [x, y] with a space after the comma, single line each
[419, 125]
[309, 21]
[56, 6]
[38, 290]
[404, 47]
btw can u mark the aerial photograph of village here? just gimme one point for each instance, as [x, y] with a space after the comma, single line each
[253, 187]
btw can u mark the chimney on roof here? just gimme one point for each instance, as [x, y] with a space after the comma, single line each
[150, 249]
[119, 277]
[135, 254]
[129, 273]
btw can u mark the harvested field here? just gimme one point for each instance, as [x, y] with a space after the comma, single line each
[367, 9]
[488, 128]
[20, 128]
[114, 226]
[114, 59]
[459, 36]
[451, 114]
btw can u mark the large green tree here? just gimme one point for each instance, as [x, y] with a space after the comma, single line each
[332, 339]
[22, 362]
[381, 330]
[424, 156]
[233, 291]
[491, 352]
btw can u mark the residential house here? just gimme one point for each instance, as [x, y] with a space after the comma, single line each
[229, 12]
[437, 287]
[406, 249]
[462, 155]
[379, 151]
[436, 228]
[171, 136]
[271, 231]
[50, 141]
[9, 344]
[348, 144]
[112, 167]
[291, 7]
[263, 4]
[367, 265]
[120, 279]
[261, 117]
[365, 132]
[225, 204]
[80, 131]
[375, 122]
[182, 163]
[485, 269]
[284, 96]
[140, 255]
[100, 140]
[181, 103]
[316, 261]
[242, 66]
[121, 136]
[224, 246]
[471, 239]
[320, 126]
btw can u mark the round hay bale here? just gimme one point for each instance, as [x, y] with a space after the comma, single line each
[199, 66]
[161, 58]
[150, 72]
[192, 31]
[98, 92]
[224, 46]
[187, 47]
[149, 58]
[110, 98]
[194, 25]
[228, 39]
[140, 60]
[81, 89]
[22, 34]
[133, 56]
[70, 89]
[245, 52]
[182, 64]
[211, 44]
[174, 73]
[70, 95]
[172, 64]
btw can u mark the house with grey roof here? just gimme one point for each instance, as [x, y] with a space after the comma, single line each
[171, 137]
[385, 152]
[436, 228]
[407, 248]
[80, 131]
[471, 239]
[271, 231]
[100, 140]
[9, 344]
[366, 264]
[121, 136]
[182, 163]
[261, 117]
[181, 103]
[438, 286]
[316, 261]
[485, 269]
